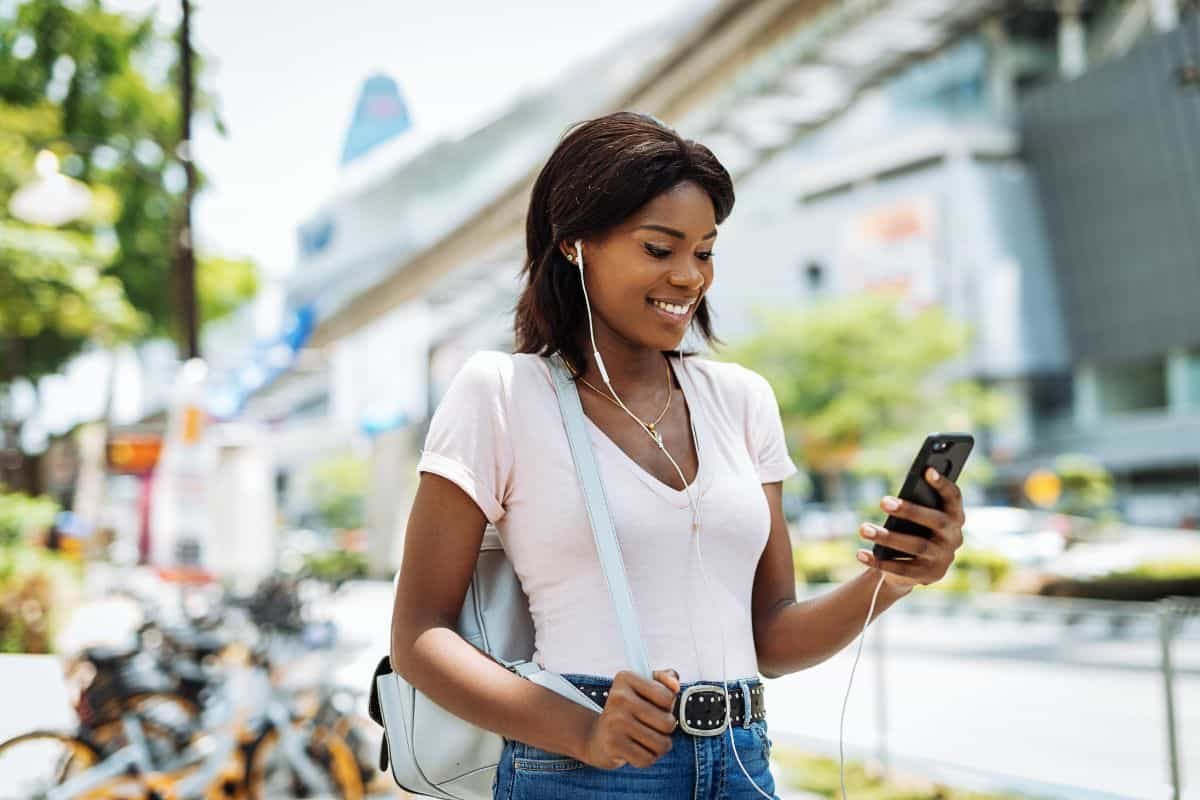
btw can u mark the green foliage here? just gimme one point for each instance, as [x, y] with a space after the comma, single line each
[36, 588]
[857, 382]
[832, 560]
[98, 90]
[1177, 568]
[21, 516]
[111, 109]
[223, 285]
[821, 776]
[974, 570]
[824, 561]
[54, 292]
[335, 566]
[338, 489]
[1087, 487]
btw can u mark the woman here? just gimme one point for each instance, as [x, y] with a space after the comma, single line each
[692, 455]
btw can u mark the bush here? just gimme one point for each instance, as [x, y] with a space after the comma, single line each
[36, 587]
[975, 570]
[824, 561]
[335, 566]
[820, 775]
[338, 488]
[1163, 570]
[22, 516]
[1146, 582]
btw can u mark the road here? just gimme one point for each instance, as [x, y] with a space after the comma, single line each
[1042, 701]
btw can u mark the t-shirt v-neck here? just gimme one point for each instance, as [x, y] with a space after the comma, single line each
[498, 435]
[670, 493]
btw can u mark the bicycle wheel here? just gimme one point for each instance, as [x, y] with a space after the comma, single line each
[363, 736]
[35, 762]
[169, 721]
[270, 774]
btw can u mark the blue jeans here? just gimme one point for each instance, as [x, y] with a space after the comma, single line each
[695, 768]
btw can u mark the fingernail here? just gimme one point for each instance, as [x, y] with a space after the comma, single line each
[863, 557]
[868, 531]
[891, 503]
[933, 475]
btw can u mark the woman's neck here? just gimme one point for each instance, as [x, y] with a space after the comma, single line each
[633, 369]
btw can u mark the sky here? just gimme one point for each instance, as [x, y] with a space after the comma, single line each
[287, 75]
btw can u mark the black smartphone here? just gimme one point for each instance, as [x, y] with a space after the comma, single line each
[945, 452]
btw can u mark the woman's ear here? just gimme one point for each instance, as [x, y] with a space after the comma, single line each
[567, 248]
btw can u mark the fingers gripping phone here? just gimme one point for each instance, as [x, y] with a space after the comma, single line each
[945, 452]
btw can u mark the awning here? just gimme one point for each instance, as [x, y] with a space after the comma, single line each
[267, 360]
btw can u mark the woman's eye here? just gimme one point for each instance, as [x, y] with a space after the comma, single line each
[658, 252]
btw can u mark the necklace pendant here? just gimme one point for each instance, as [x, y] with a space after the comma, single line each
[657, 436]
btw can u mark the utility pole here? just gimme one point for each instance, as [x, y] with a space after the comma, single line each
[185, 255]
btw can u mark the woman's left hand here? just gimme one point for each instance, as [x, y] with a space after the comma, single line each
[931, 558]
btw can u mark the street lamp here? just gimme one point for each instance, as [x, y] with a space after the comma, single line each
[52, 198]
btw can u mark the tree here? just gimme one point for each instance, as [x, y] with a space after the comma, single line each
[338, 489]
[104, 85]
[96, 88]
[223, 285]
[859, 379]
[1087, 487]
[55, 295]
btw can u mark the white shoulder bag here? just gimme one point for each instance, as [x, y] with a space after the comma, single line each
[431, 751]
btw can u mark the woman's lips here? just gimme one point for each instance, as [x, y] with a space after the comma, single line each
[669, 316]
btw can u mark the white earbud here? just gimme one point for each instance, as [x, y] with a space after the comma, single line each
[595, 350]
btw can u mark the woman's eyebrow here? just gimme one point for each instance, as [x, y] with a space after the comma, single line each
[673, 232]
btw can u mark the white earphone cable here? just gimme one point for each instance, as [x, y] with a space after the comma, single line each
[695, 518]
[862, 637]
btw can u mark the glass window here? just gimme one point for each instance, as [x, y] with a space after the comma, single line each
[1191, 379]
[1132, 386]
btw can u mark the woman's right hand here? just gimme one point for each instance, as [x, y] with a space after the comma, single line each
[636, 724]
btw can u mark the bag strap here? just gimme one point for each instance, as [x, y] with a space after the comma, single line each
[607, 545]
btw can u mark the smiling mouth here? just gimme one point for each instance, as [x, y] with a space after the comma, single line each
[678, 311]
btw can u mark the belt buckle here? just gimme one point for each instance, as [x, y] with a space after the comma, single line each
[699, 707]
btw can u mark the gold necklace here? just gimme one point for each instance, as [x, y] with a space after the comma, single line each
[649, 426]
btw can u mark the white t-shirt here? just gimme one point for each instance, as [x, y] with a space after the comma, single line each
[498, 434]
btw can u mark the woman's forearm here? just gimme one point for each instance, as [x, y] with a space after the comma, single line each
[802, 635]
[468, 684]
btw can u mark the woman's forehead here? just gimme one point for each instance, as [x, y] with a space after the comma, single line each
[686, 208]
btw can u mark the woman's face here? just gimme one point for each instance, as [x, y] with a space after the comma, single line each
[645, 277]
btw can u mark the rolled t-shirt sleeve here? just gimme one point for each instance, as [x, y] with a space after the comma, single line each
[468, 441]
[768, 443]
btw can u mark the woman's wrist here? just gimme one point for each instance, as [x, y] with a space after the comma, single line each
[895, 590]
[892, 589]
[579, 733]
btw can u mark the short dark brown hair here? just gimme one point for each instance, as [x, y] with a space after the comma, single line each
[601, 172]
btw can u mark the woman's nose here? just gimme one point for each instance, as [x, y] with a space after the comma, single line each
[689, 278]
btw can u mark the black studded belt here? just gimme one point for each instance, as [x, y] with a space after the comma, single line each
[700, 708]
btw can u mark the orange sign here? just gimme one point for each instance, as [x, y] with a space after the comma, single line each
[133, 454]
[193, 424]
[1043, 488]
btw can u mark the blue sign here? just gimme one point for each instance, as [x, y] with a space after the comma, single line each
[380, 115]
[315, 236]
[269, 359]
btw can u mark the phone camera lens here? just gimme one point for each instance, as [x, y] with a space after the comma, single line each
[941, 447]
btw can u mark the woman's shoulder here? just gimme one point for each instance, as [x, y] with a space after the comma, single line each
[728, 378]
[492, 372]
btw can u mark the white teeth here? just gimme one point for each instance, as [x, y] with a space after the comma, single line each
[678, 311]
